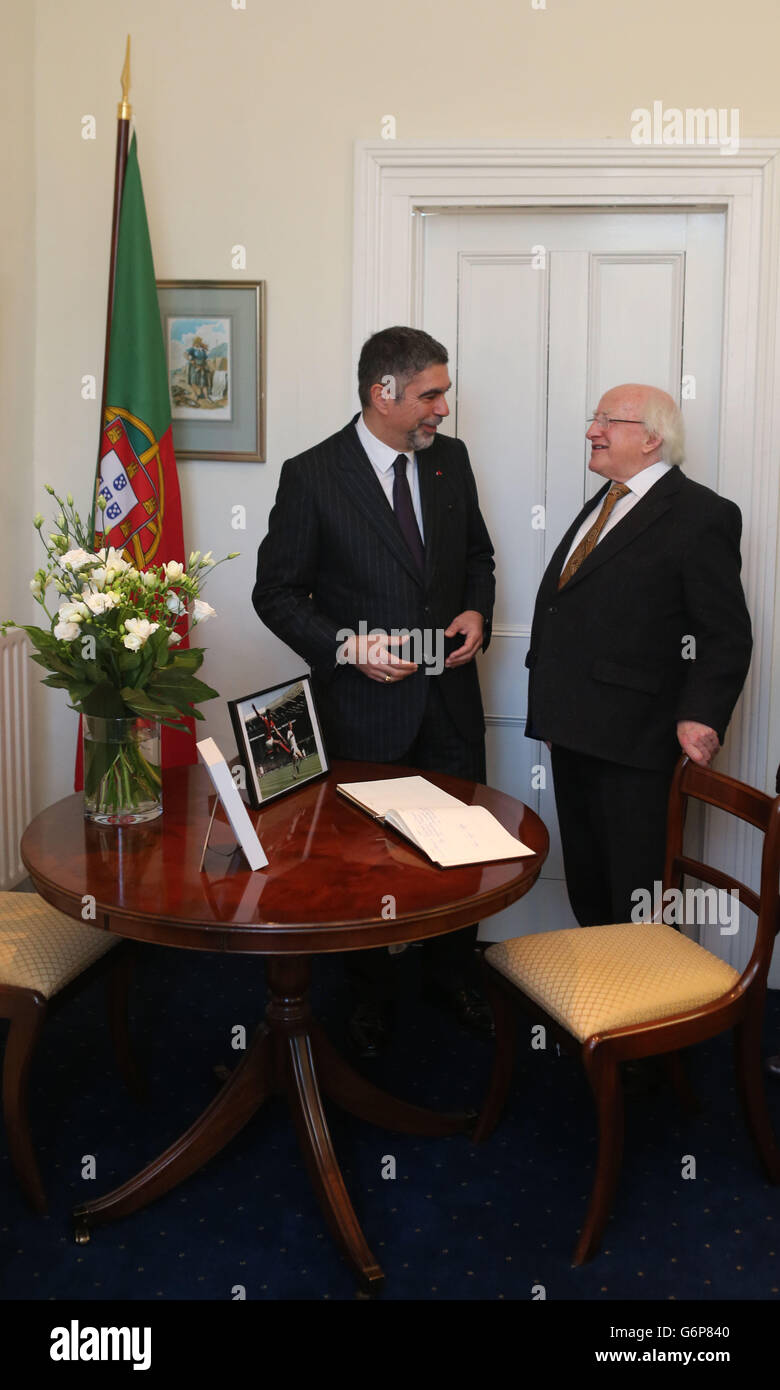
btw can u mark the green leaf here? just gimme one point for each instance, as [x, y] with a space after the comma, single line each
[106, 702]
[143, 704]
[169, 683]
[52, 662]
[190, 659]
[98, 758]
[157, 646]
[57, 682]
[41, 639]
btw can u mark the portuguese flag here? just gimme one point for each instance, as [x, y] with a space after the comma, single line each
[137, 467]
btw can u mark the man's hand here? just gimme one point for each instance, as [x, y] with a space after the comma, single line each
[472, 627]
[373, 655]
[699, 741]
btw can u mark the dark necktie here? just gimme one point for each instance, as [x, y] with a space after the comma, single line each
[404, 511]
[590, 539]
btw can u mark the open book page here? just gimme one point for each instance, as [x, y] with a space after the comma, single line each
[398, 793]
[452, 835]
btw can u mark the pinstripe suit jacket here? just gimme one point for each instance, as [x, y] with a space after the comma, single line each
[610, 656]
[335, 556]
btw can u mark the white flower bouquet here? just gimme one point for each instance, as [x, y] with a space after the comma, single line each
[113, 642]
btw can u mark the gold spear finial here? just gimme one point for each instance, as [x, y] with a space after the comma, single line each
[124, 110]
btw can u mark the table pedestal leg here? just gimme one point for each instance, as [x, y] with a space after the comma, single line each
[315, 1141]
[285, 1055]
[353, 1093]
[249, 1085]
[289, 1018]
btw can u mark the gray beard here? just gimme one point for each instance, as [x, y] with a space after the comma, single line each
[417, 440]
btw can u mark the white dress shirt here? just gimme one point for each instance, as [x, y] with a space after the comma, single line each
[382, 458]
[640, 484]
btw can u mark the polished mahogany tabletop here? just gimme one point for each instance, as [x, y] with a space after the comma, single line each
[331, 870]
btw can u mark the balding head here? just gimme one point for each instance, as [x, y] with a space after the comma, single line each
[646, 428]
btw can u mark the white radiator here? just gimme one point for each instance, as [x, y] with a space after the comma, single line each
[14, 753]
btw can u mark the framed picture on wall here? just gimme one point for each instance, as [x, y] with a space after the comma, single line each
[279, 739]
[215, 348]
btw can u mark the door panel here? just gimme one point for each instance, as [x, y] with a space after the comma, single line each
[542, 311]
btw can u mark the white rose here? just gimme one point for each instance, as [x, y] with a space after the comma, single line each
[149, 578]
[74, 559]
[35, 588]
[174, 570]
[65, 632]
[97, 578]
[115, 560]
[201, 611]
[174, 604]
[139, 631]
[174, 638]
[72, 612]
[208, 558]
[99, 602]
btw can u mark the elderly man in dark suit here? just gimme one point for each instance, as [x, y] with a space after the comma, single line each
[379, 527]
[639, 649]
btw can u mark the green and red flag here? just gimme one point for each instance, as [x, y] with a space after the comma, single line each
[136, 475]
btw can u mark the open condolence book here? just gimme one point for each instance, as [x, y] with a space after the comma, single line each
[445, 829]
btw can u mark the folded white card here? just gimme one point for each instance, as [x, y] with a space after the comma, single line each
[235, 810]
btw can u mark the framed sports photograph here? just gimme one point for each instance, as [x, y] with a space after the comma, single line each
[279, 739]
[214, 335]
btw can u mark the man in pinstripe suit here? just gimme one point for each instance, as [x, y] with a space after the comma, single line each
[379, 527]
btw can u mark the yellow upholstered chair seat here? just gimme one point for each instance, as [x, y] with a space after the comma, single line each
[590, 979]
[41, 948]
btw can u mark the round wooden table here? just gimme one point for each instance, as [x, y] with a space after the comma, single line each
[337, 880]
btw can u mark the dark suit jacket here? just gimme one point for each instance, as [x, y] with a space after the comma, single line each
[609, 674]
[335, 556]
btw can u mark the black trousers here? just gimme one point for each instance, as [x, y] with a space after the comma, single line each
[438, 747]
[613, 832]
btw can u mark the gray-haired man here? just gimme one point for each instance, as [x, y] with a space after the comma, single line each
[639, 649]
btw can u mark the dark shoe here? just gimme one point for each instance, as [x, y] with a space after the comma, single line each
[370, 1029]
[469, 1008]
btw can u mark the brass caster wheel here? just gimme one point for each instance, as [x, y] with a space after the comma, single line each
[81, 1231]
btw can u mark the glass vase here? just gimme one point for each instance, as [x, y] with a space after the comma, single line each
[122, 776]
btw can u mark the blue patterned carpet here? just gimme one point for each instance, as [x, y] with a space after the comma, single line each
[458, 1222]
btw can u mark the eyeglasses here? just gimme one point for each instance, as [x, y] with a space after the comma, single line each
[606, 420]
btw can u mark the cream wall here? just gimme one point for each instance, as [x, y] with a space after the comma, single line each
[246, 120]
[17, 305]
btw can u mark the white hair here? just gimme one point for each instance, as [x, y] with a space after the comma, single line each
[661, 416]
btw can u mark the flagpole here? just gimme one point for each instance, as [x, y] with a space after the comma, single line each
[124, 112]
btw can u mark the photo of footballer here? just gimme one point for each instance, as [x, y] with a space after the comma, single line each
[279, 739]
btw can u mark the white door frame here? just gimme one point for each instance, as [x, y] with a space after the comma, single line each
[394, 180]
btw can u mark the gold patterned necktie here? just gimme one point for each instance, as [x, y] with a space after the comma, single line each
[589, 540]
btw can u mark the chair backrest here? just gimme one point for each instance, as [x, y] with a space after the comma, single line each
[691, 781]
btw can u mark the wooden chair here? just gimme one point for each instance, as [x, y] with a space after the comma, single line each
[631, 990]
[44, 954]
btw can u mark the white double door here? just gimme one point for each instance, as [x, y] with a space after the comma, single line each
[541, 312]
